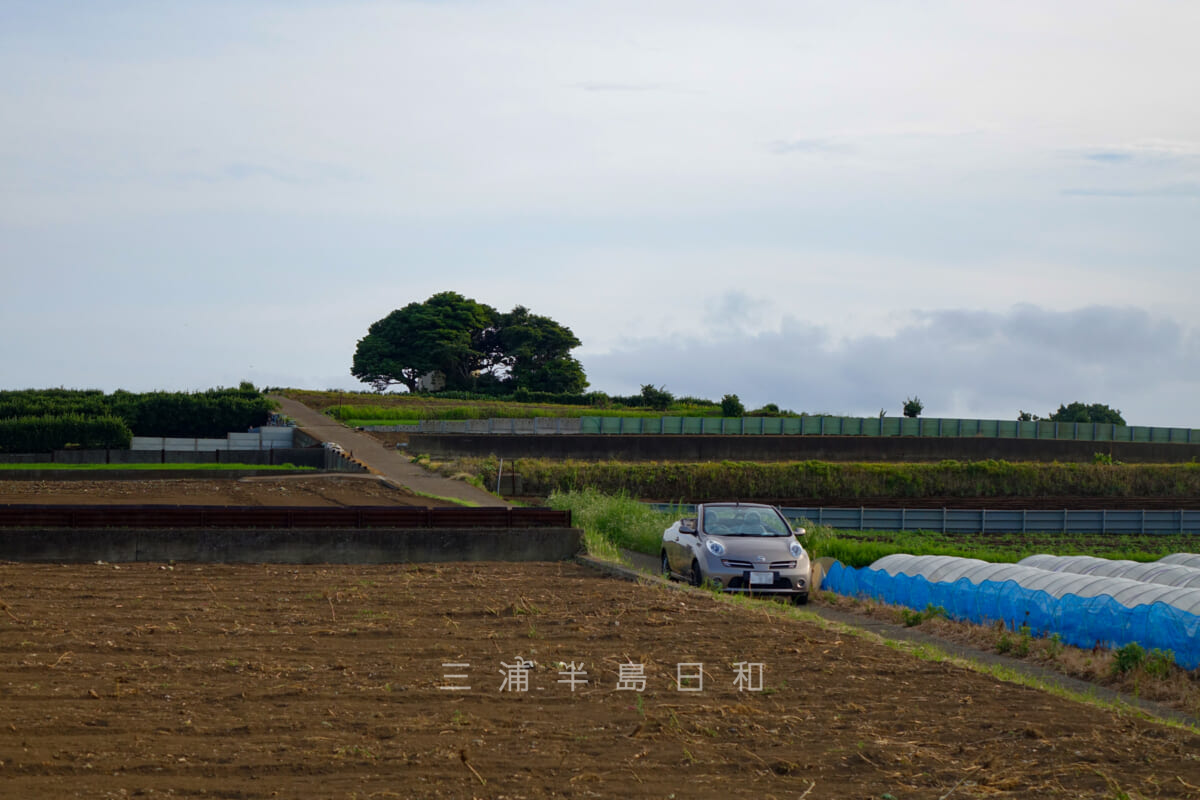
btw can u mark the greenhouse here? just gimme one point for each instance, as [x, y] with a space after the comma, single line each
[1163, 572]
[1085, 610]
[1183, 559]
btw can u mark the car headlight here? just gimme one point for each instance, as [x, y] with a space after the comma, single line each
[715, 547]
[796, 549]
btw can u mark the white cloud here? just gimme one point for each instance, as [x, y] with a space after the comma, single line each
[960, 363]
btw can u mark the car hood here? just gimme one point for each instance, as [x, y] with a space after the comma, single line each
[748, 548]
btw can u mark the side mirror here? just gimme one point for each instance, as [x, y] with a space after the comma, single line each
[799, 531]
[687, 526]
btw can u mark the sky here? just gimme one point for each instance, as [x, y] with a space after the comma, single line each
[827, 206]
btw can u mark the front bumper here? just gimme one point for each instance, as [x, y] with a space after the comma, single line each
[741, 582]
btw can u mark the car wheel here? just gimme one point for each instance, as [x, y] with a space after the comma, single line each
[800, 599]
[666, 567]
[697, 577]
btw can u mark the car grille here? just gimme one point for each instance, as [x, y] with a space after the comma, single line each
[734, 563]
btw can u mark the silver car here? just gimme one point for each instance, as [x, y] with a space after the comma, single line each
[738, 547]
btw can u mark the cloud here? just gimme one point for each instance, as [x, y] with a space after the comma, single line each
[599, 86]
[1109, 157]
[1177, 190]
[961, 363]
[785, 147]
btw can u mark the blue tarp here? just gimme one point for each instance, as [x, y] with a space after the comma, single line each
[1079, 621]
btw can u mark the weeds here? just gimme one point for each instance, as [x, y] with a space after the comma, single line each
[611, 523]
[1128, 658]
[912, 618]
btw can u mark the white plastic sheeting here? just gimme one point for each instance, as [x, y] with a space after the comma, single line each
[1184, 559]
[1162, 572]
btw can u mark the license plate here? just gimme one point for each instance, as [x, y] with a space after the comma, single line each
[762, 578]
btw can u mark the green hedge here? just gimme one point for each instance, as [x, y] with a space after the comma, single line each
[45, 433]
[211, 413]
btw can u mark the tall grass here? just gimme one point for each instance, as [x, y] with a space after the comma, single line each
[613, 522]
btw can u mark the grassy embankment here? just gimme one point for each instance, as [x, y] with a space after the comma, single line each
[615, 522]
[677, 482]
[368, 408]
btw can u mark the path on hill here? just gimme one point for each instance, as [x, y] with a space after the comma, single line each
[381, 460]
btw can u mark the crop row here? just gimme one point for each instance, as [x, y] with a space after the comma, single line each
[820, 479]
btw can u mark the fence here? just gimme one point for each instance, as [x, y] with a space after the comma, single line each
[265, 438]
[983, 520]
[811, 426]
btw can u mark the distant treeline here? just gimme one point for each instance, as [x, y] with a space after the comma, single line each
[820, 479]
[211, 413]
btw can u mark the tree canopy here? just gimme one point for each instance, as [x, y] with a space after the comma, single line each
[471, 345]
[1080, 412]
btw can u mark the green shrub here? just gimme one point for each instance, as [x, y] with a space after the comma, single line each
[1158, 663]
[1128, 658]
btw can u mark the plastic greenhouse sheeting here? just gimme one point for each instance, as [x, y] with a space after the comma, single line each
[1084, 610]
[1185, 559]
[1147, 572]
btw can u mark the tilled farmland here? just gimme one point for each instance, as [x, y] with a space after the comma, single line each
[509, 681]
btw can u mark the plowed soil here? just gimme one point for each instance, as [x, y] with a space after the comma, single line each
[270, 681]
[268, 491]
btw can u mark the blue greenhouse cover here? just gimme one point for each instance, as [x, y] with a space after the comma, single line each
[1079, 621]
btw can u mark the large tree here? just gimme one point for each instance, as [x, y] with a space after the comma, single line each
[471, 345]
[1081, 412]
[442, 334]
[536, 353]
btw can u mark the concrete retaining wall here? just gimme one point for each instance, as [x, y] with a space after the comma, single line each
[710, 447]
[296, 546]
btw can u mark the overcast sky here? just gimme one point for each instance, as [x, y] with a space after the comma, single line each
[827, 206]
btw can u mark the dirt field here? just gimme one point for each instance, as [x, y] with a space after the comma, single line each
[266, 681]
[269, 491]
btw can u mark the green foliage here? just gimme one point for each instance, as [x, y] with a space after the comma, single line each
[1159, 663]
[46, 433]
[1081, 412]
[210, 413]
[536, 351]
[913, 407]
[620, 521]
[1128, 658]
[911, 617]
[731, 406]
[857, 483]
[471, 346]
[658, 399]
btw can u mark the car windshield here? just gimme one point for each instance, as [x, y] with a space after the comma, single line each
[741, 521]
